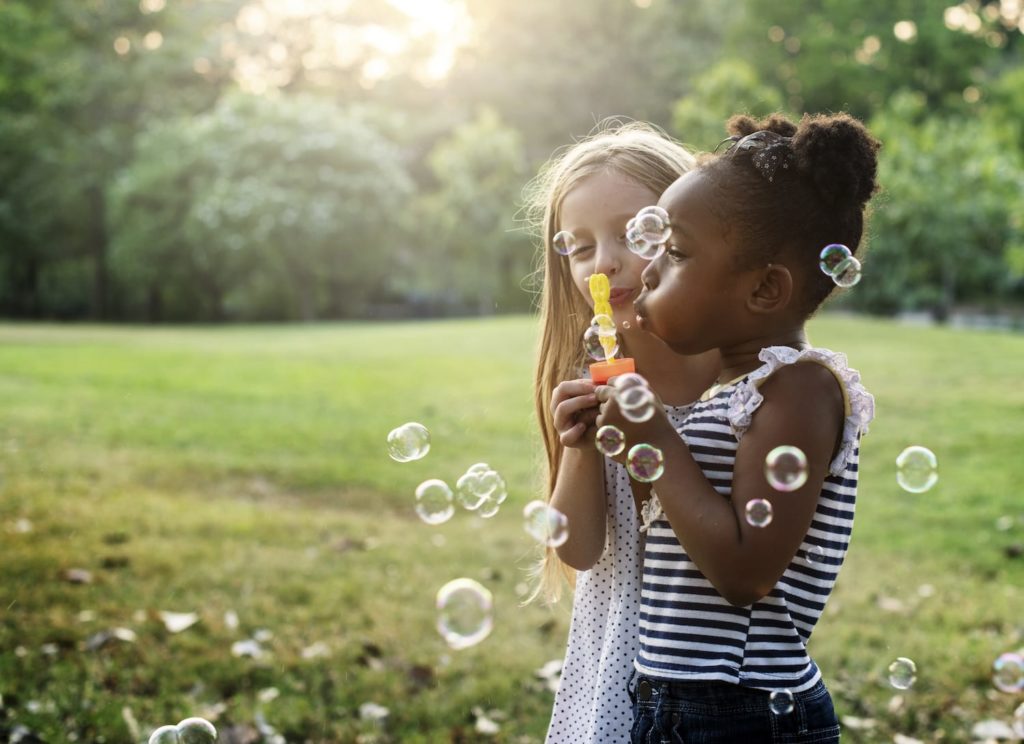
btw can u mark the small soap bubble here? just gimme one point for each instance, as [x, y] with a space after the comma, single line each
[627, 380]
[488, 508]
[592, 344]
[479, 467]
[785, 468]
[1008, 673]
[464, 613]
[645, 250]
[626, 325]
[831, 256]
[781, 702]
[645, 463]
[902, 673]
[848, 272]
[639, 414]
[759, 512]
[610, 440]
[434, 501]
[815, 554]
[408, 442]
[653, 225]
[545, 524]
[564, 242]
[189, 731]
[470, 492]
[917, 469]
[637, 396]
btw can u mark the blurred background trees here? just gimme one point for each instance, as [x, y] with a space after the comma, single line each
[210, 160]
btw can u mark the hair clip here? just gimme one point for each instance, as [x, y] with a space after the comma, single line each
[771, 151]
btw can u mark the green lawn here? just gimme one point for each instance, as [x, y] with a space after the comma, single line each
[244, 469]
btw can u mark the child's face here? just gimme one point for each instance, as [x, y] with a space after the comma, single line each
[596, 212]
[693, 298]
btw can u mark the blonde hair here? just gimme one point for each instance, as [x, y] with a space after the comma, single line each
[644, 154]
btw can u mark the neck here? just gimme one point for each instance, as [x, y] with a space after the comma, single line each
[742, 358]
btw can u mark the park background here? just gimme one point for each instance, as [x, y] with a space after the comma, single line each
[183, 178]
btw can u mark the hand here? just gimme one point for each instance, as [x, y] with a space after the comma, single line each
[574, 410]
[651, 431]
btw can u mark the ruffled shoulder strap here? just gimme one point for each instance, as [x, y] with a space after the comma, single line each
[859, 404]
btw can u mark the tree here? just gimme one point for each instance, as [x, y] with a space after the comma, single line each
[730, 87]
[944, 225]
[479, 257]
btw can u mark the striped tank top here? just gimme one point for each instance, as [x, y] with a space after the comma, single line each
[688, 631]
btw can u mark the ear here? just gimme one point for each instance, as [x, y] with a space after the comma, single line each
[773, 290]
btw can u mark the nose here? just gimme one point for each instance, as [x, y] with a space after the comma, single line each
[608, 259]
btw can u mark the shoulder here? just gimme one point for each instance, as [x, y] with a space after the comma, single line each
[804, 381]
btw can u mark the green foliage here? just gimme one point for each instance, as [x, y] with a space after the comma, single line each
[945, 219]
[730, 87]
[253, 188]
[479, 171]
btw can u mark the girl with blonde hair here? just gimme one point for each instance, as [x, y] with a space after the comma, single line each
[590, 190]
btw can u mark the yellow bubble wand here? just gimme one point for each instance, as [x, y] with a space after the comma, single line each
[601, 372]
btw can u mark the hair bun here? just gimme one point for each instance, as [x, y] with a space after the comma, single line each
[742, 125]
[838, 155]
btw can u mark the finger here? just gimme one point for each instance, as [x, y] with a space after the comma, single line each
[572, 435]
[566, 411]
[570, 389]
[604, 392]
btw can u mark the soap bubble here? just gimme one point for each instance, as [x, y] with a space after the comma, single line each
[564, 242]
[653, 225]
[627, 380]
[479, 467]
[604, 324]
[610, 440]
[434, 501]
[592, 344]
[815, 554]
[831, 256]
[786, 468]
[189, 731]
[759, 512]
[471, 489]
[917, 469]
[409, 441]
[1008, 673]
[545, 524]
[847, 272]
[464, 613]
[781, 702]
[902, 673]
[492, 489]
[645, 462]
[636, 403]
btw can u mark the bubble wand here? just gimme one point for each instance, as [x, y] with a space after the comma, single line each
[601, 372]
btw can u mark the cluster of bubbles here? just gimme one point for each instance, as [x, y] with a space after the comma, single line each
[545, 524]
[917, 469]
[836, 261]
[463, 605]
[634, 396]
[189, 731]
[600, 340]
[408, 442]
[647, 233]
[464, 613]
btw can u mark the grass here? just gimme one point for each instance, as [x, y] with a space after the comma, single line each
[243, 469]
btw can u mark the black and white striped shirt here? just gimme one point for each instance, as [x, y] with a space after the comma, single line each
[688, 631]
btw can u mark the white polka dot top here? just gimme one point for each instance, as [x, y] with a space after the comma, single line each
[592, 705]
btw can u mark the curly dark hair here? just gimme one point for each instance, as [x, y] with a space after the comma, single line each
[819, 198]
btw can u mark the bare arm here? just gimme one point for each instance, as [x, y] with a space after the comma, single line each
[579, 486]
[802, 407]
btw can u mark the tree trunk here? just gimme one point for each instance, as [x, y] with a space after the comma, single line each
[96, 242]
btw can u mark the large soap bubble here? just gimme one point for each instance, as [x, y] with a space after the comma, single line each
[409, 441]
[464, 613]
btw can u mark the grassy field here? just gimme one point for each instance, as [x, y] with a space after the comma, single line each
[242, 472]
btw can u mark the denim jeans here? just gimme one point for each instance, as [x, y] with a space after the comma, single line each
[708, 712]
